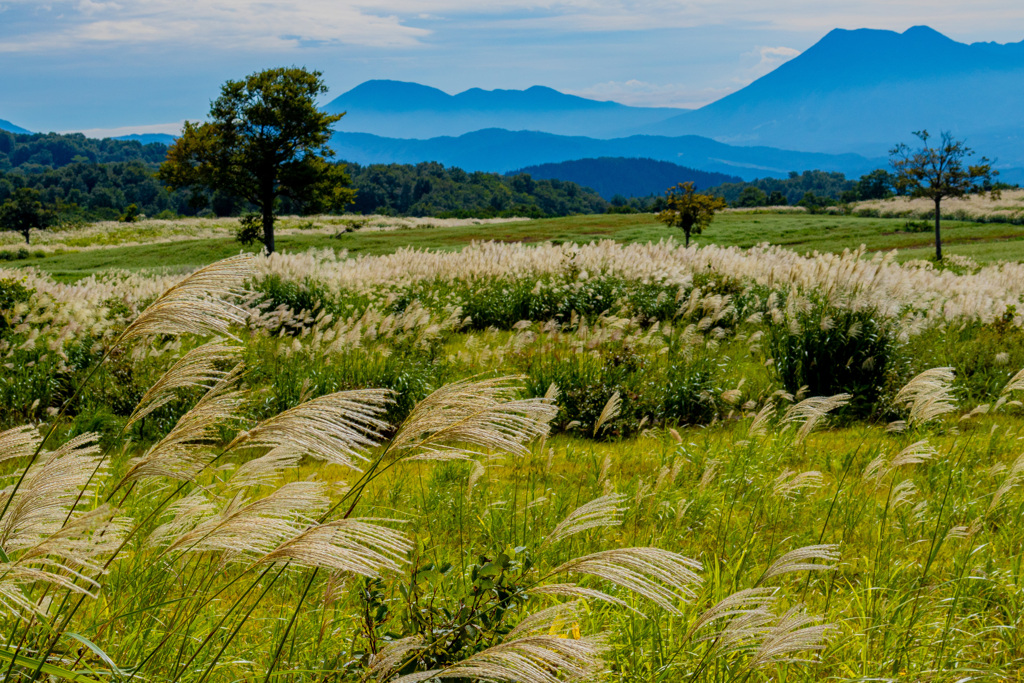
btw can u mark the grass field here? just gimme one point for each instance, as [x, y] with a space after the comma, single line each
[515, 461]
[983, 242]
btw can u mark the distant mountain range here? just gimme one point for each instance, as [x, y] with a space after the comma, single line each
[501, 151]
[149, 138]
[11, 128]
[409, 110]
[863, 91]
[611, 176]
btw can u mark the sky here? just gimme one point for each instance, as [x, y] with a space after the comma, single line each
[109, 68]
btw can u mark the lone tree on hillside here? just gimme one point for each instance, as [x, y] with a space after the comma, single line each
[688, 209]
[938, 172]
[23, 211]
[266, 139]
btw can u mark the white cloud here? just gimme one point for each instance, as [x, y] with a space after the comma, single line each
[639, 93]
[220, 24]
[167, 128]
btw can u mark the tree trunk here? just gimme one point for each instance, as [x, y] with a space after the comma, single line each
[268, 226]
[938, 237]
[686, 241]
[25, 233]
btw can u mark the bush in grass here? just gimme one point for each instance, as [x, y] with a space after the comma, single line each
[831, 350]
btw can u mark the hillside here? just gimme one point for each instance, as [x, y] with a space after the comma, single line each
[410, 110]
[11, 128]
[627, 177]
[502, 151]
[864, 90]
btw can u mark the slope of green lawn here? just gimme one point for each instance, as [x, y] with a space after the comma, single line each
[983, 242]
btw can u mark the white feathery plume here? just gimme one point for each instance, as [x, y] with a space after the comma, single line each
[532, 659]
[185, 450]
[478, 472]
[600, 512]
[1016, 383]
[571, 590]
[732, 606]
[50, 488]
[337, 427]
[359, 546]
[392, 656]
[914, 454]
[187, 512]
[19, 442]
[929, 395]
[256, 526]
[482, 413]
[264, 470]
[549, 620]
[201, 304]
[794, 632]
[609, 412]
[197, 368]
[800, 560]
[1011, 480]
[810, 411]
[790, 483]
[662, 577]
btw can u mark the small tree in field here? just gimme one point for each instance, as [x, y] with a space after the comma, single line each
[938, 172]
[23, 211]
[266, 138]
[688, 209]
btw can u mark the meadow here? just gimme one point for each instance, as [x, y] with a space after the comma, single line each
[523, 460]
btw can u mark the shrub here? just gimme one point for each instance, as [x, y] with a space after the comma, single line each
[831, 350]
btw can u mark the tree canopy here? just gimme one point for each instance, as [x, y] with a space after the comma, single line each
[689, 210]
[266, 139]
[24, 211]
[939, 171]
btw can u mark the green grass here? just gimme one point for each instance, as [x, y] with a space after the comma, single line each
[803, 233]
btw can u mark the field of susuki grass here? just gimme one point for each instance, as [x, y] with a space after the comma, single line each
[181, 245]
[513, 462]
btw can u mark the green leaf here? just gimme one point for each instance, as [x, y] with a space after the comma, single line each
[98, 652]
[50, 669]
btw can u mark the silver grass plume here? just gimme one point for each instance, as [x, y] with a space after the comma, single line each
[737, 604]
[197, 368]
[482, 413]
[392, 657]
[801, 560]
[811, 411]
[264, 470]
[359, 546]
[185, 450]
[337, 427]
[665, 578]
[571, 590]
[600, 512]
[914, 454]
[1016, 383]
[532, 659]
[19, 442]
[201, 304]
[929, 395]
[49, 489]
[794, 632]
[256, 527]
[609, 412]
[550, 620]
[789, 483]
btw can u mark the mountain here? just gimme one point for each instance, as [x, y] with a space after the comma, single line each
[501, 151]
[410, 110]
[611, 176]
[11, 128]
[865, 90]
[149, 138]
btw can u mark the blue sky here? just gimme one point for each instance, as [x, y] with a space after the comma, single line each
[146, 65]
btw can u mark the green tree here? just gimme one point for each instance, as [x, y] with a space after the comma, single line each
[752, 196]
[24, 211]
[688, 209]
[938, 172]
[266, 139]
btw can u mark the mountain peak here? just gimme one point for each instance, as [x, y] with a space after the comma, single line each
[11, 128]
